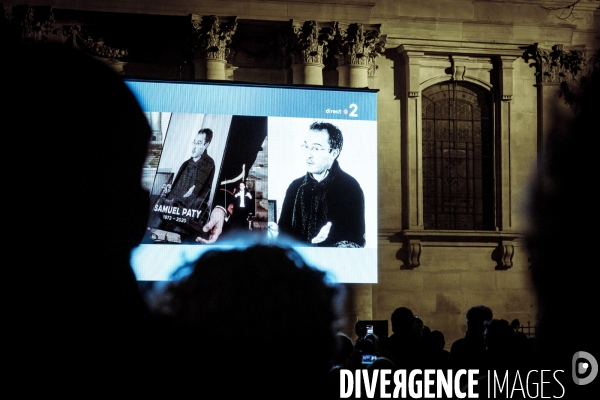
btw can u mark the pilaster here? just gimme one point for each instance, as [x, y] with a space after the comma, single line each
[504, 219]
[412, 160]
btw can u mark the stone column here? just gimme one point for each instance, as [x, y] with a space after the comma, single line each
[343, 74]
[211, 40]
[358, 49]
[309, 47]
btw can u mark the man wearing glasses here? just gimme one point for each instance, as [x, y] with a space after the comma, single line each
[182, 207]
[325, 207]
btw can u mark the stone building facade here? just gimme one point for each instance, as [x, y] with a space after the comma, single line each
[466, 86]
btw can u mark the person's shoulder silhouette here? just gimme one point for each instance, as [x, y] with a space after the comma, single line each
[78, 143]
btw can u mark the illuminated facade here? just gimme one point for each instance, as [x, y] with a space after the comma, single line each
[465, 93]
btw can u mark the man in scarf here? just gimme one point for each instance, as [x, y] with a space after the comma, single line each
[325, 207]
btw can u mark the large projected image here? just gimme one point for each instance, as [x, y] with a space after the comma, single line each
[291, 166]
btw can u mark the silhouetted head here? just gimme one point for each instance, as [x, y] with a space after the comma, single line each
[515, 324]
[438, 339]
[497, 333]
[344, 347]
[261, 310]
[85, 137]
[403, 320]
[476, 317]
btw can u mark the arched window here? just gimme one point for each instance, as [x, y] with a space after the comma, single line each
[458, 165]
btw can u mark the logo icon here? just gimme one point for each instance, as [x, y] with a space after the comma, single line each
[584, 368]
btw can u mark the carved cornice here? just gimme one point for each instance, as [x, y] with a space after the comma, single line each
[356, 45]
[27, 24]
[556, 65]
[309, 43]
[211, 39]
[77, 38]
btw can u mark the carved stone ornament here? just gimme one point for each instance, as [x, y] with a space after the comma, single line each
[556, 65]
[412, 253]
[507, 250]
[27, 24]
[457, 70]
[211, 39]
[76, 38]
[358, 46]
[309, 44]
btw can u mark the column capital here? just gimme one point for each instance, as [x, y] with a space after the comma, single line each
[310, 41]
[27, 24]
[212, 36]
[556, 64]
[358, 44]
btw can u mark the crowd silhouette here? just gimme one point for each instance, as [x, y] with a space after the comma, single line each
[246, 321]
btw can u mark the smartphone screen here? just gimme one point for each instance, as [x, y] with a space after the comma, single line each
[368, 359]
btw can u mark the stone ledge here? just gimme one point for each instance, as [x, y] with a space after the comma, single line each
[414, 240]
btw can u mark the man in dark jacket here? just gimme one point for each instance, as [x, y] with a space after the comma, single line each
[183, 205]
[326, 207]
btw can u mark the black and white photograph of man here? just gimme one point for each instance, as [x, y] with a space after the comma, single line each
[321, 196]
[186, 174]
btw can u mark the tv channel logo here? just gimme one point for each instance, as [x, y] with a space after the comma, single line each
[584, 368]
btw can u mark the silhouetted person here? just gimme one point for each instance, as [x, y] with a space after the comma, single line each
[368, 344]
[521, 337]
[260, 314]
[440, 355]
[80, 139]
[344, 347]
[469, 351]
[403, 347]
[427, 346]
[503, 350]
